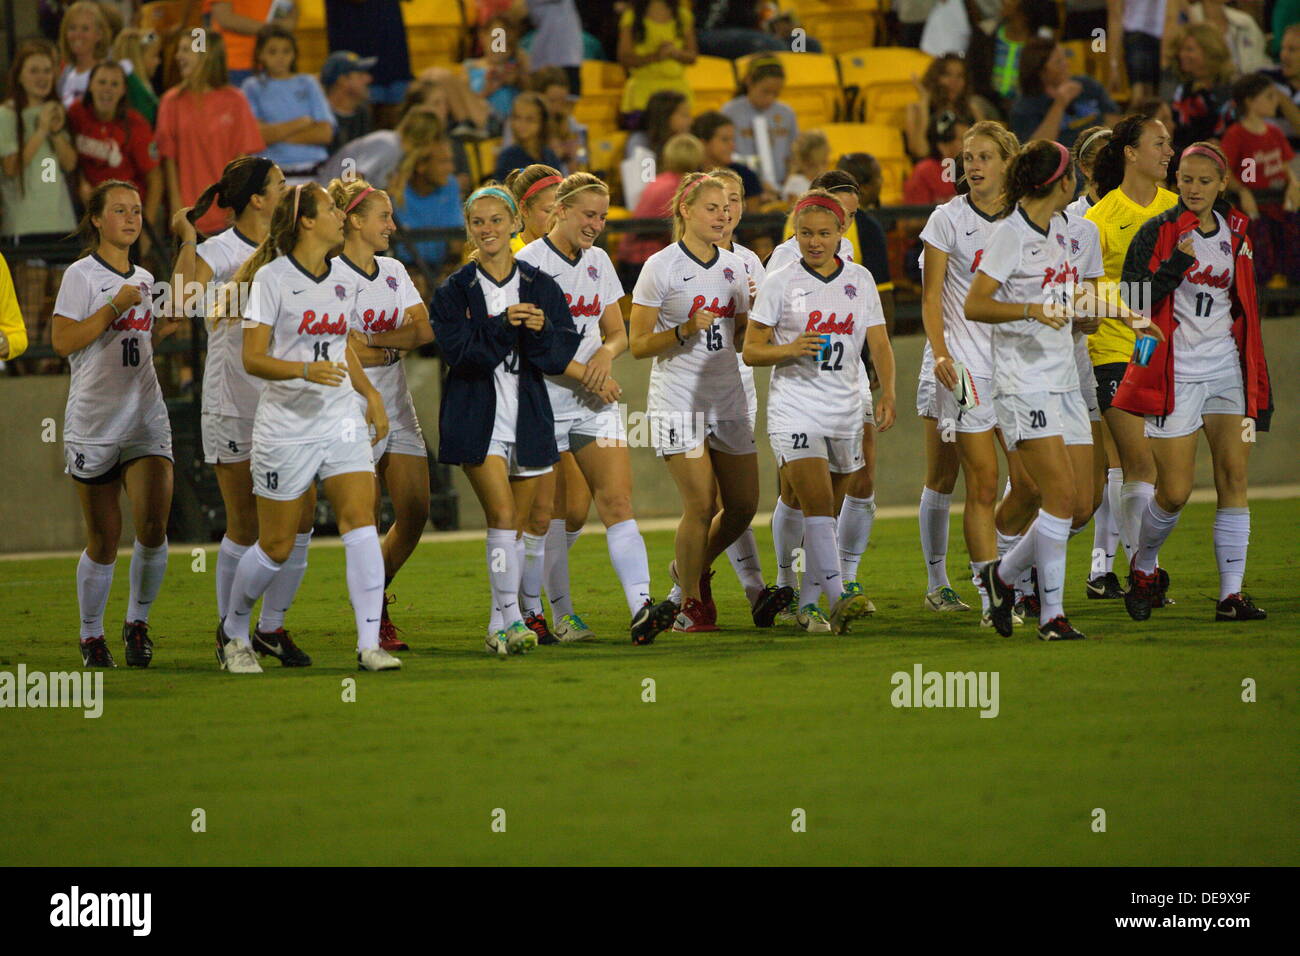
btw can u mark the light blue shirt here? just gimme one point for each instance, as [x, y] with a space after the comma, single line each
[440, 208]
[278, 101]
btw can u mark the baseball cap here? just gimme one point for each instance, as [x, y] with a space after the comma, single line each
[342, 62]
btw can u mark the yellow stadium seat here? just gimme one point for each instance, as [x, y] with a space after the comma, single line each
[713, 82]
[880, 81]
[482, 156]
[612, 239]
[311, 13]
[880, 141]
[604, 153]
[893, 173]
[812, 85]
[602, 93]
[840, 25]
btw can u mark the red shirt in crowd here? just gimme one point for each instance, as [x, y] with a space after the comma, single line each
[112, 149]
[1270, 151]
[927, 185]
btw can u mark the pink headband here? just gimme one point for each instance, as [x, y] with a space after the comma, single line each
[1203, 151]
[824, 203]
[1060, 167]
[360, 196]
[691, 188]
[297, 191]
[544, 183]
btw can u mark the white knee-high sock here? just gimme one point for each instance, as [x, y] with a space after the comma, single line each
[94, 581]
[743, 555]
[533, 556]
[975, 568]
[1019, 559]
[252, 578]
[555, 569]
[787, 534]
[1133, 498]
[1051, 534]
[1157, 525]
[571, 537]
[279, 596]
[228, 555]
[933, 517]
[631, 563]
[1231, 540]
[365, 574]
[148, 567]
[821, 543]
[1006, 542]
[857, 515]
[503, 570]
[1105, 533]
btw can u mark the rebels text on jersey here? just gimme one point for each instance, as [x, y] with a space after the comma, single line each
[819, 393]
[1204, 348]
[309, 319]
[1033, 266]
[960, 230]
[227, 388]
[383, 297]
[701, 376]
[590, 286]
[114, 391]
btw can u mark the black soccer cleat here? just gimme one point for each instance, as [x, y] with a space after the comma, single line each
[95, 653]
[139, 649]
[278, 644]
[1059, 629]
[1162, 598]
[1032, 605]
[537, 624]
[1142, 594]
[770, 603]
[650, 620]
[1105, 587]
[1002, 598]
[1238, 607]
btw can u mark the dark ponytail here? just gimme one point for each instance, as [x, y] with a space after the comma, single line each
[1108, 168]
[1031, 173]
[240, 181]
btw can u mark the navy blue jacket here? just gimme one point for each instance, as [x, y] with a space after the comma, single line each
[474, 343]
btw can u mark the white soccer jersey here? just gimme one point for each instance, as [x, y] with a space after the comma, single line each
[1079, 207]
[227, 388]
[499, 296]
[1085, 253]
[114, 391]
[700, 376]
[960, 230]
[754, 269]
[821, 393]
[590, 286]
[788, 252]
[383, 297]
[1032, 266]
[309, 320]
[1204, 349]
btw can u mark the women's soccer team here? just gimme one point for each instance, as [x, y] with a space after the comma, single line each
[1039, 311]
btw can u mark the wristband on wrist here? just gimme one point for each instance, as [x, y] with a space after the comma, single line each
[1026, 312]
[113, 305]
[391, 356]
[304, 370]
[677, 334]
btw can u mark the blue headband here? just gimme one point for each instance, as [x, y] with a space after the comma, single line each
[492, 191]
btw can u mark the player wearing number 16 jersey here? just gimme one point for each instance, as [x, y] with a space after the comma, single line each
[115, 426]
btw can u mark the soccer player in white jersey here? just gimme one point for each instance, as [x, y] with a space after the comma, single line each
[588, 421]
[811, 322]
[1025, 286]
[116, 433]
[688, 314]
[307, 424]
[390, 317]
[843, 187]
[501, 324]
[765, 601]
[1210, 373]
[250, 187]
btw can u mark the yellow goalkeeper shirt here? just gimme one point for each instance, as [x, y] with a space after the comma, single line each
[1117, 218]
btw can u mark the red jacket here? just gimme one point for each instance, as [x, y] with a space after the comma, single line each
[1153, 258]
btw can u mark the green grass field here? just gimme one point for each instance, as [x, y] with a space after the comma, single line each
[1146, 723]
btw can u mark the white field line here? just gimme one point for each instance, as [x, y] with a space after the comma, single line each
[1199, 496]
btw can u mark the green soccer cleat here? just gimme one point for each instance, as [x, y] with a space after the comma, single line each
[851, 606]
[790, 613]
[572, 629]
[519, 639]
[945, 599]
[812, 620]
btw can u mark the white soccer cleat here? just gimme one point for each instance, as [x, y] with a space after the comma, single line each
[572, 629]
[518, 638]
[812, 620]
[945, 599]
[238, 658]
[850, 606]
[495, 643]
[377, 659]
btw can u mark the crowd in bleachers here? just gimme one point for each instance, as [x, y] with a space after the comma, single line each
[428, 99]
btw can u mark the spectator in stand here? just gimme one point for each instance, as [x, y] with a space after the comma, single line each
[531, 128]
[1202, 102]
[656, 42]
[237, 22]
[866, 172]
[732, 29]
[762, 120]
[683, 153]
[666, 114]
[1141, 23]
[432, 97]
[557, 41]
[1240, 31]
[498, 75]
[717, 133]
[292, 113]
[1287, 79]
[345, 77]
[1286, 13]
[374, 29]
[34, 138]
[203, 123]
[84, 39]
[139, 52]
[943, 88]
[1258, 157]
[375, 156]
[13, 333]
[1054, 105]
[569, 137]
[426, 195]
[810, 158]
[912, 15]
[113, 141]
[933, 179]
[780, 33]
[993, 60]
[1153, 107]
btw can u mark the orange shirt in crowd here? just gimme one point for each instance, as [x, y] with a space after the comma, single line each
[239, 46]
